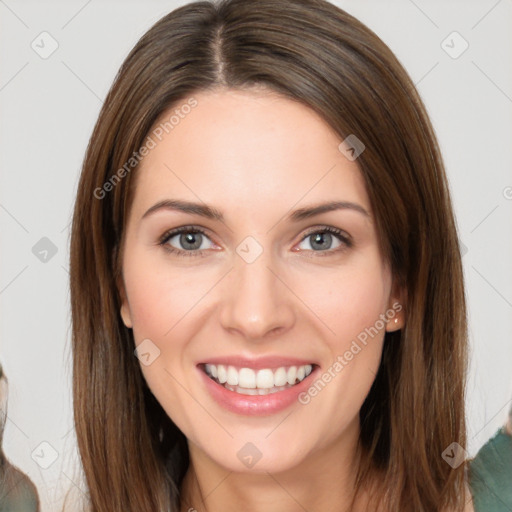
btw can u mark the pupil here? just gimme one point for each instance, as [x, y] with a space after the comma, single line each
[321, 237]
[189, 239]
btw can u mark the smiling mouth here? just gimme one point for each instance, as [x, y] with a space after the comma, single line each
[265, 381]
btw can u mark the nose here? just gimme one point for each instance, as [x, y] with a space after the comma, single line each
[257, 303]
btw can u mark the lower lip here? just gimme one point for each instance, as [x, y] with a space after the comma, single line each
[255, 405]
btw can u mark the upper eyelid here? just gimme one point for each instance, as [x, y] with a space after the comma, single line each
[170, 233]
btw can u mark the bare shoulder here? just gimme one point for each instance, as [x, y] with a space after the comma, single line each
[469, 506]
[468, 500]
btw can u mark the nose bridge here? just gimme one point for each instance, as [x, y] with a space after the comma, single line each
[256, 301]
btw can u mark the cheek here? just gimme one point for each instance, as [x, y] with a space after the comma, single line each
[160, 298]
[352, 305]
[348, 300]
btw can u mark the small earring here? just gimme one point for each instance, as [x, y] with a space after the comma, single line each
[396, 320]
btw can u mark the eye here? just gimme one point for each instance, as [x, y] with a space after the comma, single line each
[321, 239]
[190, 241]
[190, 238]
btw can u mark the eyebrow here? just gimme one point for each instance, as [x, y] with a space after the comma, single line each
[210, 212]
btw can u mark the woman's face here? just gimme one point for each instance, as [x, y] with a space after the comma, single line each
[266, 294]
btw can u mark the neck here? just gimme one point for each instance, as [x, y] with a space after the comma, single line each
[323, 481]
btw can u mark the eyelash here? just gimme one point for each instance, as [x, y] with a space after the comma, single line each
[194, 229]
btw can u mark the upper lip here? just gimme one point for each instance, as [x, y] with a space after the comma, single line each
[257, 363]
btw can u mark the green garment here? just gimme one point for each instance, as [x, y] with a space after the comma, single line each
[17, 492]
[490, 475]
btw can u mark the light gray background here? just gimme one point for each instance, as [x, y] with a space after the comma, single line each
[49, 107]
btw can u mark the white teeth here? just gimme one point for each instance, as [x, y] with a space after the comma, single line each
[292, 375]
[280, 377]
[265, 379]
[222, 374]
[232, 376]
[247, 378]
[261, 381]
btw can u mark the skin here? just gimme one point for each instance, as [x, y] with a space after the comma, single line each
[256, 156]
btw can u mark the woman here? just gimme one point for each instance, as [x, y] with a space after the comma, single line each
[17, 491]
[308, 351]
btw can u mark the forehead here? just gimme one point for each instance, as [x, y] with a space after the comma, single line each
[247, 150]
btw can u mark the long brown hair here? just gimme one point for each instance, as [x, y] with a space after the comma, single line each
[133, 456]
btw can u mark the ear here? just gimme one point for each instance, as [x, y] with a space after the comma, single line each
[126, 314]
[396, 308]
